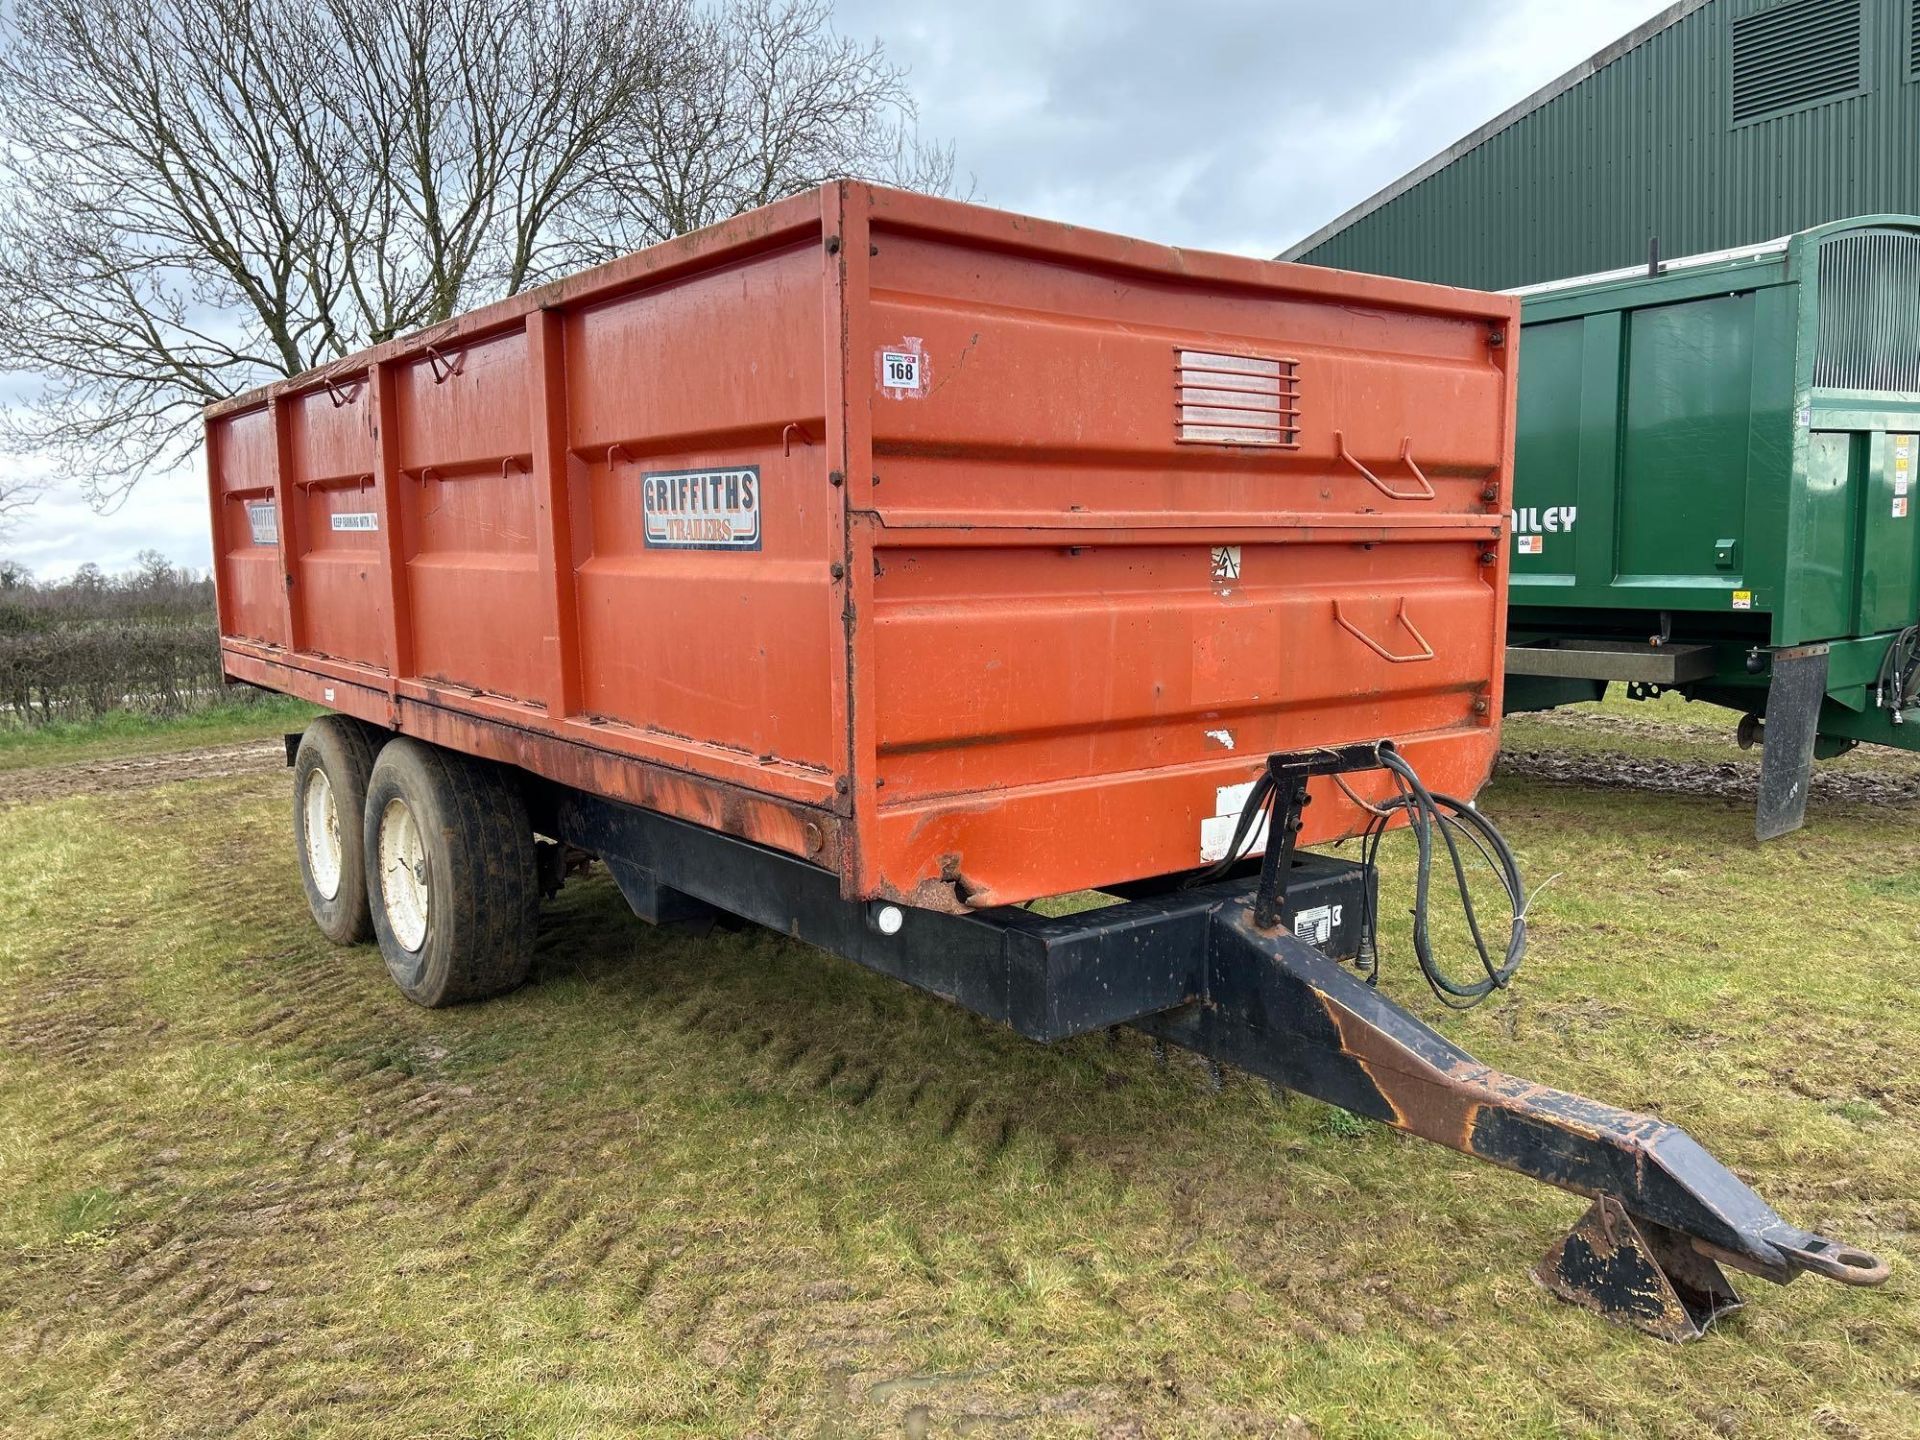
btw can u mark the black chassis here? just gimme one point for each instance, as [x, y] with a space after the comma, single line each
[1218, 968]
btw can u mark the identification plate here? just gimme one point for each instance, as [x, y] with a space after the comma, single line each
[263, 520]
[702, 509]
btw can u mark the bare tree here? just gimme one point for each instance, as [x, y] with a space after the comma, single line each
[197, 196]
[15, 496]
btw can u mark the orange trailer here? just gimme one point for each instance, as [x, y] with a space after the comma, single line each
[903, 535]
[871, 563]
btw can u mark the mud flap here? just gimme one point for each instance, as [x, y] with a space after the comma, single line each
[1793, 724]
[1637, 1273]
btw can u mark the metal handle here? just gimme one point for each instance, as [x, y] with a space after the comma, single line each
[443, 368]
[1425, 492]
[1426, 650]
[341, 395]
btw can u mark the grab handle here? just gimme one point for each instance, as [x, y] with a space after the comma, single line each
[1425, 492]
[1426, 650]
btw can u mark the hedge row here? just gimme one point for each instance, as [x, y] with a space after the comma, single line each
[84, 670]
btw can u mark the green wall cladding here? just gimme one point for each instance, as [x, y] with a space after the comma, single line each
[1646, 148]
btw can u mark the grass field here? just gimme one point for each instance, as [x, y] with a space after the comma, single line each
[723, 1185]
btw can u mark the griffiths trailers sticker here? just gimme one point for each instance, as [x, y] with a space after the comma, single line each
[263, 522]
[702, 509]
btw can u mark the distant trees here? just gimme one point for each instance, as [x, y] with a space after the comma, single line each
[197, 196]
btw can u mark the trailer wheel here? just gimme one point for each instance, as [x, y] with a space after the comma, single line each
[451, 871]
[330, 773]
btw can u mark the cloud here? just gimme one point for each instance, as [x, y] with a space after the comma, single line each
[1238, 125]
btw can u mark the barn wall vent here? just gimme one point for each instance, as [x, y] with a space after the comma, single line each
[1802, 52]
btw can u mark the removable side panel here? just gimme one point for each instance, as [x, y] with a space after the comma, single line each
[339, 564]
[1010, 671]
[1890, 538]
[1055, 664]
[703, 519]
[1007, 389]
[241, 455]
[467, 497]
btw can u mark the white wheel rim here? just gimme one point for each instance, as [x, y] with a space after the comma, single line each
[403, 875]
[321, 821]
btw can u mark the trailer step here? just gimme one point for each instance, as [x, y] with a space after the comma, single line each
[1638, 1273]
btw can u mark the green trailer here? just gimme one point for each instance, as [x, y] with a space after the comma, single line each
[1714, 491]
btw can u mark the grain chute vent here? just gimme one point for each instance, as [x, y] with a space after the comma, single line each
[1800, 53]
[1869, 312]
[1222, 399]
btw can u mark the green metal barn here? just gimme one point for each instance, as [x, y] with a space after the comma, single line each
[1715, 453]
[1718, 123]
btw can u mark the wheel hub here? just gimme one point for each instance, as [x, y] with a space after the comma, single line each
[321, 822]
[404, 892]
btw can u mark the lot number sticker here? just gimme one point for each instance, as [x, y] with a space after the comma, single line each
[899, 370]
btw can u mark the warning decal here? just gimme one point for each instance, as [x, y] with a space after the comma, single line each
[702, 509]
[356, 520]
[1216, 831]
[1743, 599]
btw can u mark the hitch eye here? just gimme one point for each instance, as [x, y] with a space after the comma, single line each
[1848, 1264]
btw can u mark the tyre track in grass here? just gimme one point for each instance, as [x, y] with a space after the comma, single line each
[373, 1205]
[34, 784]
[227, 1300]
[1714, 779]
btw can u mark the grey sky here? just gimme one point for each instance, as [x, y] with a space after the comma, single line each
[1224, 124]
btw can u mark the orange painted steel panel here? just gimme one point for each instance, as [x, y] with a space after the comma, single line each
[992, 555]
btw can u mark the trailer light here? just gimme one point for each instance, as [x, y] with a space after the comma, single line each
[888, 919]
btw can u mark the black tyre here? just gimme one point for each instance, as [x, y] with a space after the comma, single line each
[451, 873]
[330, 773]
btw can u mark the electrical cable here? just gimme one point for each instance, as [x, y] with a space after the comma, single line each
[1428, 814]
